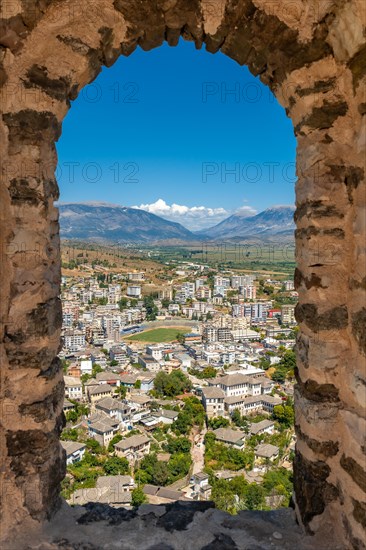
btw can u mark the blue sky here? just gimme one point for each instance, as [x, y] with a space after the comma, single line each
[180, 132]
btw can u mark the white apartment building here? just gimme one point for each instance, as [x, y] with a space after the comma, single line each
[203, 292]
[289, 285]
[155, 351]
[187, 290]
[73, 387]
[213, 401]
[74, 340]
[249, 292]
[238, 281]
[221, 281]
[86, 366]
[237, 385]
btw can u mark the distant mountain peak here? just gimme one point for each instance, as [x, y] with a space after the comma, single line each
[275, 220]
[107, 222]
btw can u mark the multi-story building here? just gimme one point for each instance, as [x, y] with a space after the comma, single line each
[213, 401]
[237, 384]
[203, 292]
[96, 393]
[74, 451]
[102, 428]
[74, 340]
[187, 290]
[238, 281]
[230, 437]
[155, 351]
[220, 281]
[73, 387]
[249, 292]
[289, 285]
[288, 314]
[133, 448]
[115, 409]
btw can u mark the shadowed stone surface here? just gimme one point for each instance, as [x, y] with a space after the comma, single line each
[207, 528]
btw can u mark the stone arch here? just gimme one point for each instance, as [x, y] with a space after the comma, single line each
[311, 54]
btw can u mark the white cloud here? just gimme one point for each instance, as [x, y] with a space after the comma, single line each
[193, 217]
[246, 211]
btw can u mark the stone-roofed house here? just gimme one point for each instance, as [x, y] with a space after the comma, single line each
[128, 380]
[265, 426]
[266, 451]
[112, 490]
[133, 448]
[270, 402]
[102, 428]
[108, 378]
[115, 409]
[232, 438]
[73, 387]
[137, 401]
[165, 416]
[237, 384]
[99, 392]
[245, 404]
[162, 495]
[213, 401]
[74, 451]
[68, 406]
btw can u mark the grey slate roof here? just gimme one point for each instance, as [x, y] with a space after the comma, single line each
[132, 442]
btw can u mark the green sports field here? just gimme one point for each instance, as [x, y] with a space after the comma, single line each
[157, 335]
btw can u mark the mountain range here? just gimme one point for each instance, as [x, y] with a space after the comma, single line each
[274, 221]
[113, 223]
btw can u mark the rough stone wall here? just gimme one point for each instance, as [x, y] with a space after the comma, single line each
[312, 55]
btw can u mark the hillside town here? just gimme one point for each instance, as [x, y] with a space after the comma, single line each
[178, 390]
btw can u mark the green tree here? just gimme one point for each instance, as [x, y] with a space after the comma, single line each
[178, 445]
[123, 303]
[181, 337]
[115, 465]
[94, 446]
[151, 309]
[172, 384]
[69, 435]
[121, 391]
[179, 465]
[96, 369]
[219, 422]
[138, 497]
[71, 416]
[255, 497]
[284, 414]
[160, 473]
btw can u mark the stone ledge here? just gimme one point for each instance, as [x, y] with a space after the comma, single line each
[176, 526]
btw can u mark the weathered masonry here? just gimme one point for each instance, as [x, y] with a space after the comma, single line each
[312, 54]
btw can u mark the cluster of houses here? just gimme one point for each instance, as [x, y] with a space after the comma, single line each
[236, 439]
[247, 392]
